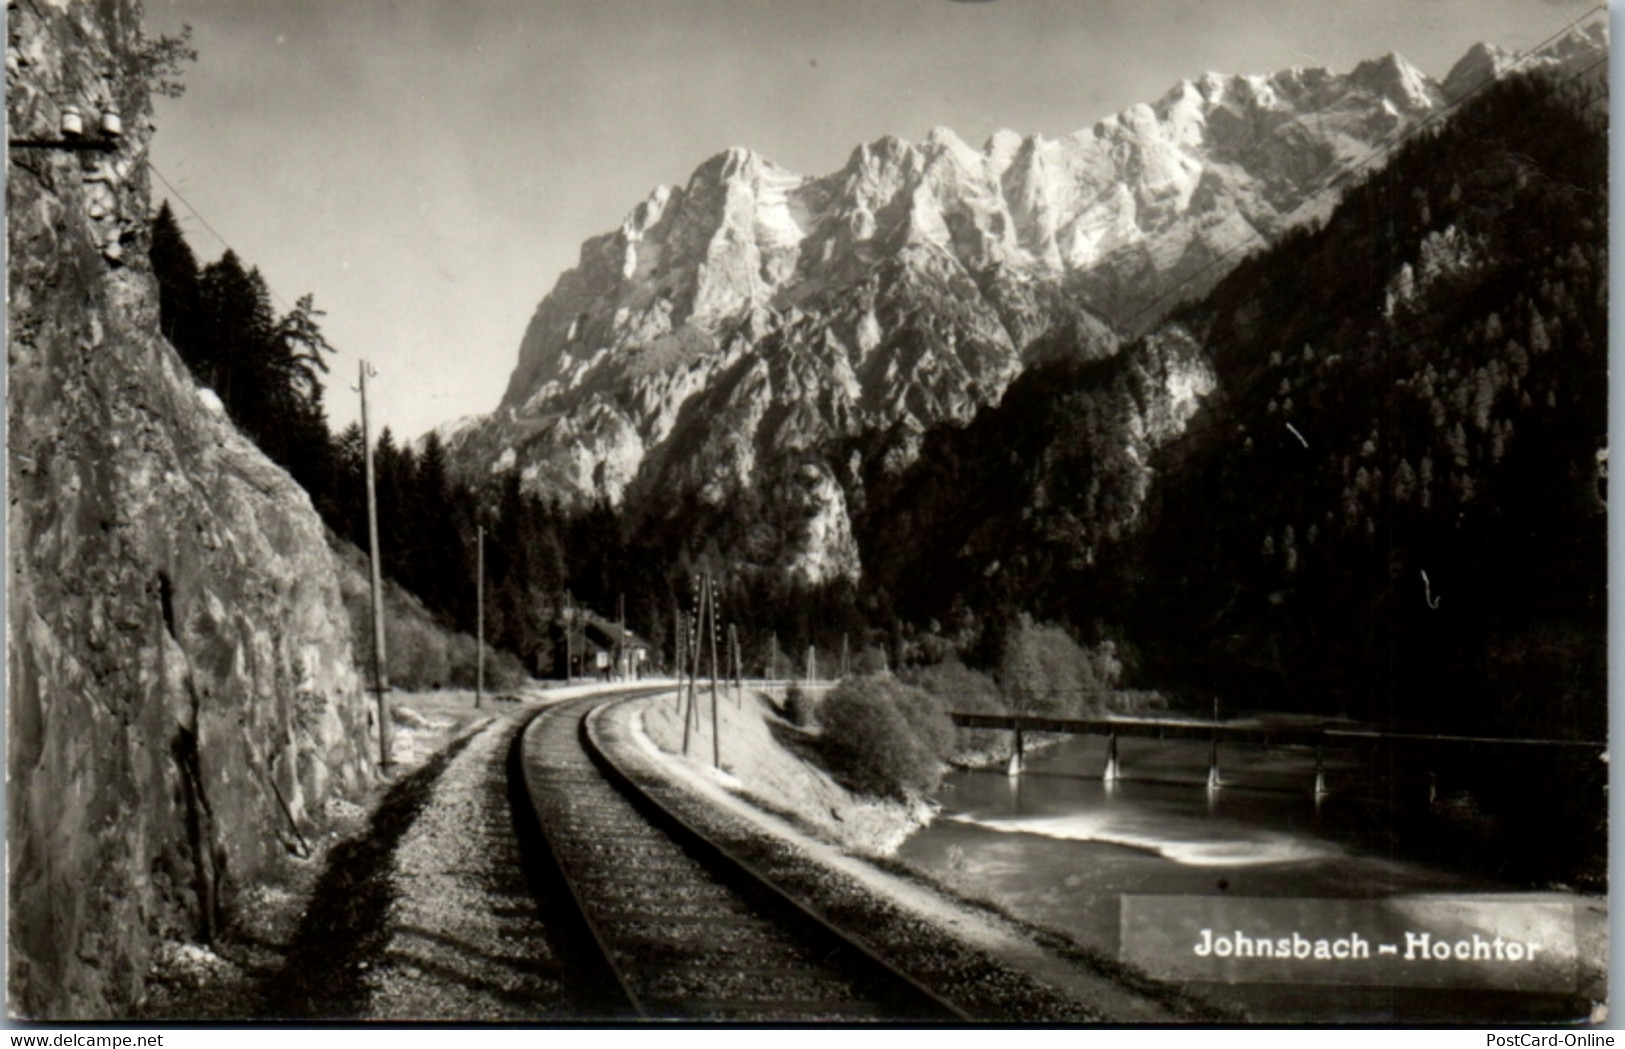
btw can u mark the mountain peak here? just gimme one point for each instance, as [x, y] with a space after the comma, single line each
[1481, 62]
[943, 137]
[735, 327]
[735, 164]
[1484, 62]
[1393, 78]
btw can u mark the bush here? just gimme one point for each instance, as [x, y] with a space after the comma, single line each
[870, 741]
[871, 660]
[1043, 671]
[957, 687]
[800, 706]
[420, 654]
[927, 716]
[502, 669]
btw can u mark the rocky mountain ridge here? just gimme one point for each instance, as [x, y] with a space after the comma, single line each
[735, 327]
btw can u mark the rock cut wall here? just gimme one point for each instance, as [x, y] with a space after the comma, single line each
[181, 692]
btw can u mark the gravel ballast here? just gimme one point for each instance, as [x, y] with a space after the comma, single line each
[992, 968]
[444, 923]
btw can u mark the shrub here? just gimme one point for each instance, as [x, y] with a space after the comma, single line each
[957, 687]
[420, 654]
[1043, 671]
[800, 706]
[869, 741]
[926, 715]
[871, 660]
[502, 669]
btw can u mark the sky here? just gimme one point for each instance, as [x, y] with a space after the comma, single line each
[427, 169]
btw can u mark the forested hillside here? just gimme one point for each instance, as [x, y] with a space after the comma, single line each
[1391, 504]
[1363, 476]
[1402, 486]
[267, 372]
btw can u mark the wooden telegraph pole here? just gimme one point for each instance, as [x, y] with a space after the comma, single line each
[479, 616]
[736, 665]
[696, 653]
[716, 736]
[569, 641]
[621, 667]
[677, 630]
[380, 668]
[690, 711]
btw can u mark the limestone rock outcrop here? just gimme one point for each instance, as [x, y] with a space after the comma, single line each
[753, 321]
[181, 690]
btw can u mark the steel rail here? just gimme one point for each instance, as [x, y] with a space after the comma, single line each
[602, 896]
[600, 948]
[722, 855]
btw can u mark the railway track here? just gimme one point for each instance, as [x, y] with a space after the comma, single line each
[681, 927]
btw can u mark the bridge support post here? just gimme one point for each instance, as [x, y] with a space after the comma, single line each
[1018, 759]
[1111, 774]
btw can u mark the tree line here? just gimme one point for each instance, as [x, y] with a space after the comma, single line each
[267, 371]
[1392, 506]
[542, 557]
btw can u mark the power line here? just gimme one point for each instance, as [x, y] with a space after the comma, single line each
[1416, 330]
[208, 226]
[1399, 337]
[1381, 150]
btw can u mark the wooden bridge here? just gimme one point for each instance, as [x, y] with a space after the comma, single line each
[1258, 732]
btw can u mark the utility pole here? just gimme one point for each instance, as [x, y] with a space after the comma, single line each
[696, 652]
[736, 665]
[812, 663]
[569, 641]
[691, 719]
[380, 674]
[479, 615]
[773, 656]
[620, 641]
[677, 631]
[716, 736]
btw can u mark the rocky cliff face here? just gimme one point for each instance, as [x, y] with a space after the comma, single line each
[734, 327]
[180, 684]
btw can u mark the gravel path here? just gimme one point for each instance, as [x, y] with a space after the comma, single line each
[466, 939]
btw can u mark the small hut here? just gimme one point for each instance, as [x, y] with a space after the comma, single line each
[599, 648]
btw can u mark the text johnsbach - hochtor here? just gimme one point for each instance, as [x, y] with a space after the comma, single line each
[1419, 946]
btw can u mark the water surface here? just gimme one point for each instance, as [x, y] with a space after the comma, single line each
[1058, 846]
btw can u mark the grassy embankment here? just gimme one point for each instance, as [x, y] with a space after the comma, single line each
[777, 765]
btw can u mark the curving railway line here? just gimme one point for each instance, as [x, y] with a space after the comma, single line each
[679, 926]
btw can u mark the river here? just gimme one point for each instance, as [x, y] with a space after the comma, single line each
[1059, 847]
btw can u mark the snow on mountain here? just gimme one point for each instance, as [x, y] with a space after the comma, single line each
[1580, 47]
[734, 328]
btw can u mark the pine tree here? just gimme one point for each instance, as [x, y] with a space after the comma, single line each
[176, 270]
